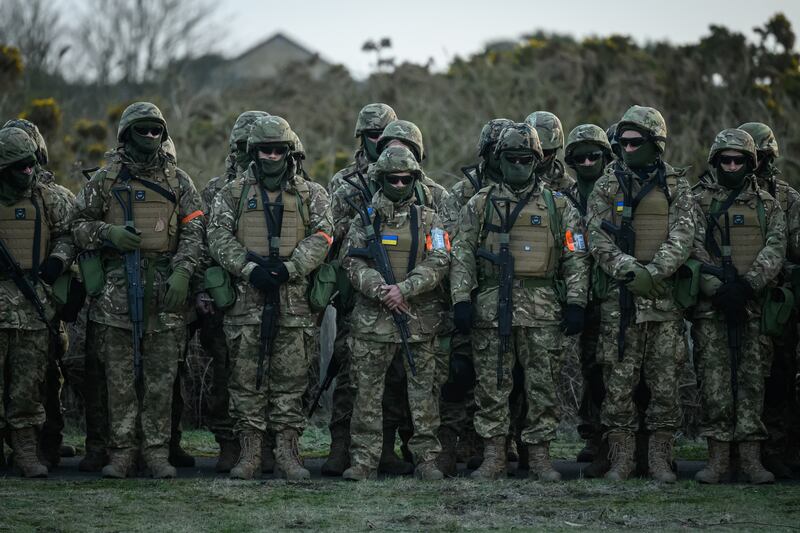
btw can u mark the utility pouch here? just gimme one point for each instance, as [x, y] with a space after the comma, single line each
[94, 277]
[217, 283]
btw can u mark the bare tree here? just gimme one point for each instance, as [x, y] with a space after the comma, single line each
[34, 27]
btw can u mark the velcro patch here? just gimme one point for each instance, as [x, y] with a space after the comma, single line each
[527, 248]
[19, 213]
[536, 220]
[139, 196]
[620, 206]
[252, 203]
[580, 242]
[437, 239]
[389, 240]
[738, 220]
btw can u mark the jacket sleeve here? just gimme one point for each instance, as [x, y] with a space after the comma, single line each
[463, 268]
[88, 229]
[676, 249]
[602, 245]
[769, 261]
[191, 223]
[429, 272]
[575, 263]
[61, 209]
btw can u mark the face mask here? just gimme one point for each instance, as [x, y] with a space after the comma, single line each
[393, 192]
[492, 170]
[589, 173]
[517, 168]
[144, 145]
[271, 172]
[370, 149]
[732, 180]
[764, 168]
[14, 180]
[546, 164]
[642, 157]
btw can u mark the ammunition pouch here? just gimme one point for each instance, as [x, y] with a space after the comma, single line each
[217, 282]
[322, 287]
[601, 282]
[94, 277]
[776, 310]
[686, 284]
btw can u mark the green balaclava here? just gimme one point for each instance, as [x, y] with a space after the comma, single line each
[491, 168]
[587, 174]
[733, 180]
[644, 156]
[16, 179]
[143, 147]
[271, 172]
[370, 148]
[396, 194]
[517, 174]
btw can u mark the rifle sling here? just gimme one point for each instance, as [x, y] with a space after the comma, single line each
[716, 209]
[412, 254]
[512, 217]
[125, 176]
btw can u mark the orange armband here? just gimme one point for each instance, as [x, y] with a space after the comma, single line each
[328, 238]
[191, 216]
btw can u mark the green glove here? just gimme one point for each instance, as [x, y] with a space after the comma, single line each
[640, 282]
[177, 289]
[709, 285]
[123, 239]
[659, 289]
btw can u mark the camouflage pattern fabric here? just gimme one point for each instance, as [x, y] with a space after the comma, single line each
[593, 392]
[212, 338]
[370, 363]
[281, 394]
[23, 361]
[162, 352]
[95, 390]
[556, 178]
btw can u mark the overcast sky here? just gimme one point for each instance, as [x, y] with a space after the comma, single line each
[442, 29]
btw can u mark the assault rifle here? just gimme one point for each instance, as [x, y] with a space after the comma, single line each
[331, 372]
[10, 266]
[375, 252]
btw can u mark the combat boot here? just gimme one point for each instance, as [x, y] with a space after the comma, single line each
[268, 452]
[541, 465]
[494, 460]
[621, 444]
[660, 457]
[93, 461]
[427, 471]
[359, 473]
[288, 463]
[590, 450]
[389, 462]
[157, 460]
[600, 465]
[339, 456]
[179, 457]
[750, 463]
[719, 462]
[119, 464]
[446, 460]
[229, 450]
[249, 464]
[773, 461]
[26, 457]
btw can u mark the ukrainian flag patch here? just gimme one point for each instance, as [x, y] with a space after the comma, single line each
[389, 240]
[620, 206]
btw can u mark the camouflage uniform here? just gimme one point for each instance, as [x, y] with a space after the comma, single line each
[758, 264]
[375, 340]
[236, 216]
[551, 134]
[781, 409]
[372, 118]
[164, 196]
[24, 336]
[654, 348]
[536, 335]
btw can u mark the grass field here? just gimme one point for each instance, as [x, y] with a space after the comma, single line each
[393, 504]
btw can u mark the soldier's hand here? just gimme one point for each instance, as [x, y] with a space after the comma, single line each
[50, 269]
[393, 298]
[462, 317]
[260, 278]
[659, 289]
[639, 281]
[123, 238]
[204, 304]
[177, 289]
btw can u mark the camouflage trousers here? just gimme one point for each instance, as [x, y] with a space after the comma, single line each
[212, 338]
[538, 352]
[278, 404]
[161, 353]
[712, 359]
[371, 362]
[592, 372]
[654, 353]
[457, 404]
[95, 391]
[51, 434]
[23, 362]
[781, 408]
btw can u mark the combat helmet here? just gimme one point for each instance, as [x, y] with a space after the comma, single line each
[490, 133]
[587, 133]
[408, 133]
[30, 128]
[648, 120]
[138, 112]
[519, 136]
[241, 128]
[396, 159]
[549, 129]
[611, 135]
[15, 145]
[374, 117]
[270, 130]
[763, 137]
[734, 139]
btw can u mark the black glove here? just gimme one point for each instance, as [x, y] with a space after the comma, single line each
[260, 278]
[573, 320]
[732, 297]
[462, 317]
[277, 269]
[50, 269]
[77, 296]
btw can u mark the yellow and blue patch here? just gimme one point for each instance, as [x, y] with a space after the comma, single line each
[389, 240]
[620, 206]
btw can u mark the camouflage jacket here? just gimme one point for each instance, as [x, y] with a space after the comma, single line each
[90, 232]
[557, 178]
[58, 203]
[671, 254]
[216, 184]
[229, 253]
[769, 261]
[371, 319]
[789, 201]
[338, 179]
[533, 306]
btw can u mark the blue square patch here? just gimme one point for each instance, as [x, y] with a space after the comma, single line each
[536, 220]
[139, 196]
[19, 213]
[252, 203]
[738, 220]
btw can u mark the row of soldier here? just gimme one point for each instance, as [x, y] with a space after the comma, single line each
[453, 307]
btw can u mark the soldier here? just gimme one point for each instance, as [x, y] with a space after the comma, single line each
[550, 170]
[139, 186]
[641, 335]
[533, 225]
[34, 233]
[269, 229]
[371, 121]
[587, 153]
[418, 255]
[781, 411]
[744, 236]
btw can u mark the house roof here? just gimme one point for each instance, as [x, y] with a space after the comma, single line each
[280, 37]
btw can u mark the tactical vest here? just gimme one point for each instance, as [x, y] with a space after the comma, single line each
[251, 228]
[18, 224]
[401, 243]
[650, 219]
[155, 209]
[748, 229]
[532, 239]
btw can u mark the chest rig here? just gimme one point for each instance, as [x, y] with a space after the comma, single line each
[25, 230]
